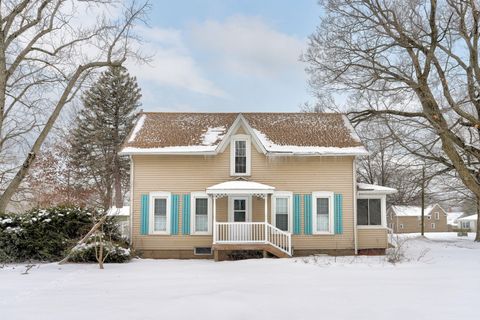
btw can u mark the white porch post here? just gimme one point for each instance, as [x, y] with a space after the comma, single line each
[266, 217]
[214, 208]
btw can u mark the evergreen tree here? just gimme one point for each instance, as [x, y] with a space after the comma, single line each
[109, 108]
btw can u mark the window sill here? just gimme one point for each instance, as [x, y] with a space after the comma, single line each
[371, 227]
[240, 174]
[159, 233]
[198, 234]
[326, 233]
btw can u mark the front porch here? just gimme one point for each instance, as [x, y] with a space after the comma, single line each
[238, 223]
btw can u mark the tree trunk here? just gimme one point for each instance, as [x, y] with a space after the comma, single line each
[423, 201]
[100, 250]
[117, 178]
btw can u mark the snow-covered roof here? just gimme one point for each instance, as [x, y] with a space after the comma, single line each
[473, 217]
[373, 188]
[114, 211]
[452, 217]
[240, 187]
[411, 211]
[277, 133]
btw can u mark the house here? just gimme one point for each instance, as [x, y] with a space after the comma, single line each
[408, 219]
[452, 219]
[468, 222]
[122, 218]
[204, 185]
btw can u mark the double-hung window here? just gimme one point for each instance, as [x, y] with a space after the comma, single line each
[322, 205]
[201, 213]
[369, 212]
[437, 215]
[160, 212]
[240, 155]
[282, 210]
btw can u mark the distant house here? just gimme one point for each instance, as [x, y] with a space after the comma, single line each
[122, 217]
[408, 219]
[205, 185]
[468, 222]
[452, 219]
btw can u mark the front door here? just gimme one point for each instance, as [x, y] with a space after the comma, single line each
[239, 209]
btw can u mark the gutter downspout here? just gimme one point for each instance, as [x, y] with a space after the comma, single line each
[131, 200]
[355, 240]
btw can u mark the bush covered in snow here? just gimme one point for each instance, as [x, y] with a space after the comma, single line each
[47, 234]
[113, 252]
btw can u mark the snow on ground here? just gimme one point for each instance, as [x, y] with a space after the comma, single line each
[439, 280]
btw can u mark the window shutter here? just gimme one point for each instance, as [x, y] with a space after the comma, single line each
[144, 214]
[338, 214]
[174, 215]
[296, 214]
[186, 214]
[307, 214]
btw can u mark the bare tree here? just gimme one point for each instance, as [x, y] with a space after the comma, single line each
[48, 50]
[422, 52]
[52, 179]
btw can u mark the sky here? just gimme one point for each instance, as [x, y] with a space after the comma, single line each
[225, 55]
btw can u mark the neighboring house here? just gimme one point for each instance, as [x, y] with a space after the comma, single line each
[469, 222]
[408, 219]
[206, 184]
[122, 217]
[452, 219]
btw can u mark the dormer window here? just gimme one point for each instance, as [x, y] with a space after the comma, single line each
[240, 155]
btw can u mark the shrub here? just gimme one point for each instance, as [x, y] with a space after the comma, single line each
[113, 253]
[47, 234]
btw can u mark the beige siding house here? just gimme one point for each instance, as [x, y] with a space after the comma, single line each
[206, 184]
[408, 219]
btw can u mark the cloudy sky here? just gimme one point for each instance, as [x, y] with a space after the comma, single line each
[226, 55]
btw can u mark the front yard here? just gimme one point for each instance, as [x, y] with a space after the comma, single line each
[440, 280]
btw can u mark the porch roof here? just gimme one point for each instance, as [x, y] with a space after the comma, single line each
[240, 187]
[365, 188]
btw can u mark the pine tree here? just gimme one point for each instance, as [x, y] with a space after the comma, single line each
[109, 108]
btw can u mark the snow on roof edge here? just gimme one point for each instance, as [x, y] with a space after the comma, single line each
[138, 127]
[472, 217]
[366, 187]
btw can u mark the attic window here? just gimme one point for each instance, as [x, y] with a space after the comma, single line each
[240, 155]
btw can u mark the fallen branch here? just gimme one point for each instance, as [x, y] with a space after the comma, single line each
[85, 238]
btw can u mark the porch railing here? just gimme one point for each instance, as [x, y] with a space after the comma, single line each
[252, 233]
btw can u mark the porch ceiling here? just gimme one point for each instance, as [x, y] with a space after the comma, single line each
[240, 187]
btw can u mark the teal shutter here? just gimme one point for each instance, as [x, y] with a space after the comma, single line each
[174, 215]
[338, 213]
[144, 214]
[186, 214]
[296, 214]
[307, 214]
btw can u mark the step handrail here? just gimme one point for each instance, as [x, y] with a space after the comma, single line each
[251, 232]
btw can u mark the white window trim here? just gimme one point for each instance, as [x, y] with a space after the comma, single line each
[240, 137]
[248, 207]
[323, 194]
[433, 226]
[289, 196]
[437, 215]
[152, 197]
[401, 225]
[383, 208]
[193, 209]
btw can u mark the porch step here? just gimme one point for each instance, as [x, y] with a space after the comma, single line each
[251, 247]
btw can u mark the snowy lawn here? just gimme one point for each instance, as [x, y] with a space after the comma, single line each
[441, 280]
